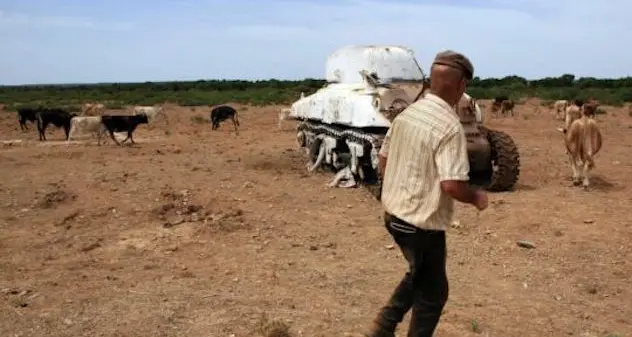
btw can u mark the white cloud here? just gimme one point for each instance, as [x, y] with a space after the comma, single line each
[22, 19]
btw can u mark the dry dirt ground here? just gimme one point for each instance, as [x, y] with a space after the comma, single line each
[196, 232]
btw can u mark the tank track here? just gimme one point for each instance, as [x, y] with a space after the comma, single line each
[371, 142]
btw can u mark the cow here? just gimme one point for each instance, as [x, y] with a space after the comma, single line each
[122, 123]
[498, 103]
[151, 111]
[283, 116]
[583, 141]
[27, 114]
[571, 113]
[58, 117]
[505, 107]
[224, 112]
[560, 108]
[87, 124]
[500, 99]
[92, 108]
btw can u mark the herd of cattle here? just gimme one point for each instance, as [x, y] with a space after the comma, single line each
[73, 123]
[582, 136]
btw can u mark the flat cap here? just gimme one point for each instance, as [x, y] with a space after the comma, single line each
[456, 60]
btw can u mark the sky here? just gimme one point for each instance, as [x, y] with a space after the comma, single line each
[87, 41]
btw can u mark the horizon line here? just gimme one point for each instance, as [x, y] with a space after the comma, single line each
[269, 80]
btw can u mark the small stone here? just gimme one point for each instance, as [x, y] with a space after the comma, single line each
[389, 247]
[589, 221]
[173, 221]
[67, 321]
[526, 244]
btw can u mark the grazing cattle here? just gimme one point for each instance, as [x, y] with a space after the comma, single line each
[583, 141]
[86, 124]
[560, 108]
[497, 103]
[506, 106]
[27, 114]
[224, 112]
[92, 109]
[151, 112]
[58, 117]
[121, 123]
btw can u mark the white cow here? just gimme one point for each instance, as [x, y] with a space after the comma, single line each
[86, 124]
[151, 111]
[560, 108]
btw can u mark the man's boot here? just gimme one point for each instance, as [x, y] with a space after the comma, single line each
[380, 330]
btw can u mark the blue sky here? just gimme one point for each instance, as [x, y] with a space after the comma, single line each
[84, 41]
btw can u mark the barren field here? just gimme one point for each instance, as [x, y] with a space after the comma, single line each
[194, 232]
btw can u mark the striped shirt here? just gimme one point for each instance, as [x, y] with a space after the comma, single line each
[425, 145]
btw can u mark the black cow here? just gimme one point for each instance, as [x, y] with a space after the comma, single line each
[58, 117]
[224, 112]
[500, 99]
[27, 114]
[123, 123]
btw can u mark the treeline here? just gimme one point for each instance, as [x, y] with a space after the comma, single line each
[210, 92]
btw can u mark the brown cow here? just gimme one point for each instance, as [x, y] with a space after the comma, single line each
[583, 141]
[92, 109]
[506, 106]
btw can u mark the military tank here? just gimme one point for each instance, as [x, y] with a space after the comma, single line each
[343, 124]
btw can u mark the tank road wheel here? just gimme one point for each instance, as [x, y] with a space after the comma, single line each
[505, 161]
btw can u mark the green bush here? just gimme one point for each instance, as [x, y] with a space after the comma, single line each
[199, 93]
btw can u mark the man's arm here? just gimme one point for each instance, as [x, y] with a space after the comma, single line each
[453, 167]
[383, 154]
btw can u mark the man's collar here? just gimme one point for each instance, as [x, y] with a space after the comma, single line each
[439, 101]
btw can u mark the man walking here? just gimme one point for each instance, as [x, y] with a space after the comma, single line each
[424, 165]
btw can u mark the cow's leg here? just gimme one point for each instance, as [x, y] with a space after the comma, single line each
[126, 138]
[114, 138]
[577, 170]
[70, 134]
[131, 139]
[235, 125]
[585, 171]
[42, 131]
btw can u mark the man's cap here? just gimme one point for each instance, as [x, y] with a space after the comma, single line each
[456, 60]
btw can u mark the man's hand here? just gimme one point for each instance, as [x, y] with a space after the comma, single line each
[381, 165]
[481, 202]
[461, 191]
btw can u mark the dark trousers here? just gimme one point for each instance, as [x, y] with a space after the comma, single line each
[424, 288]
